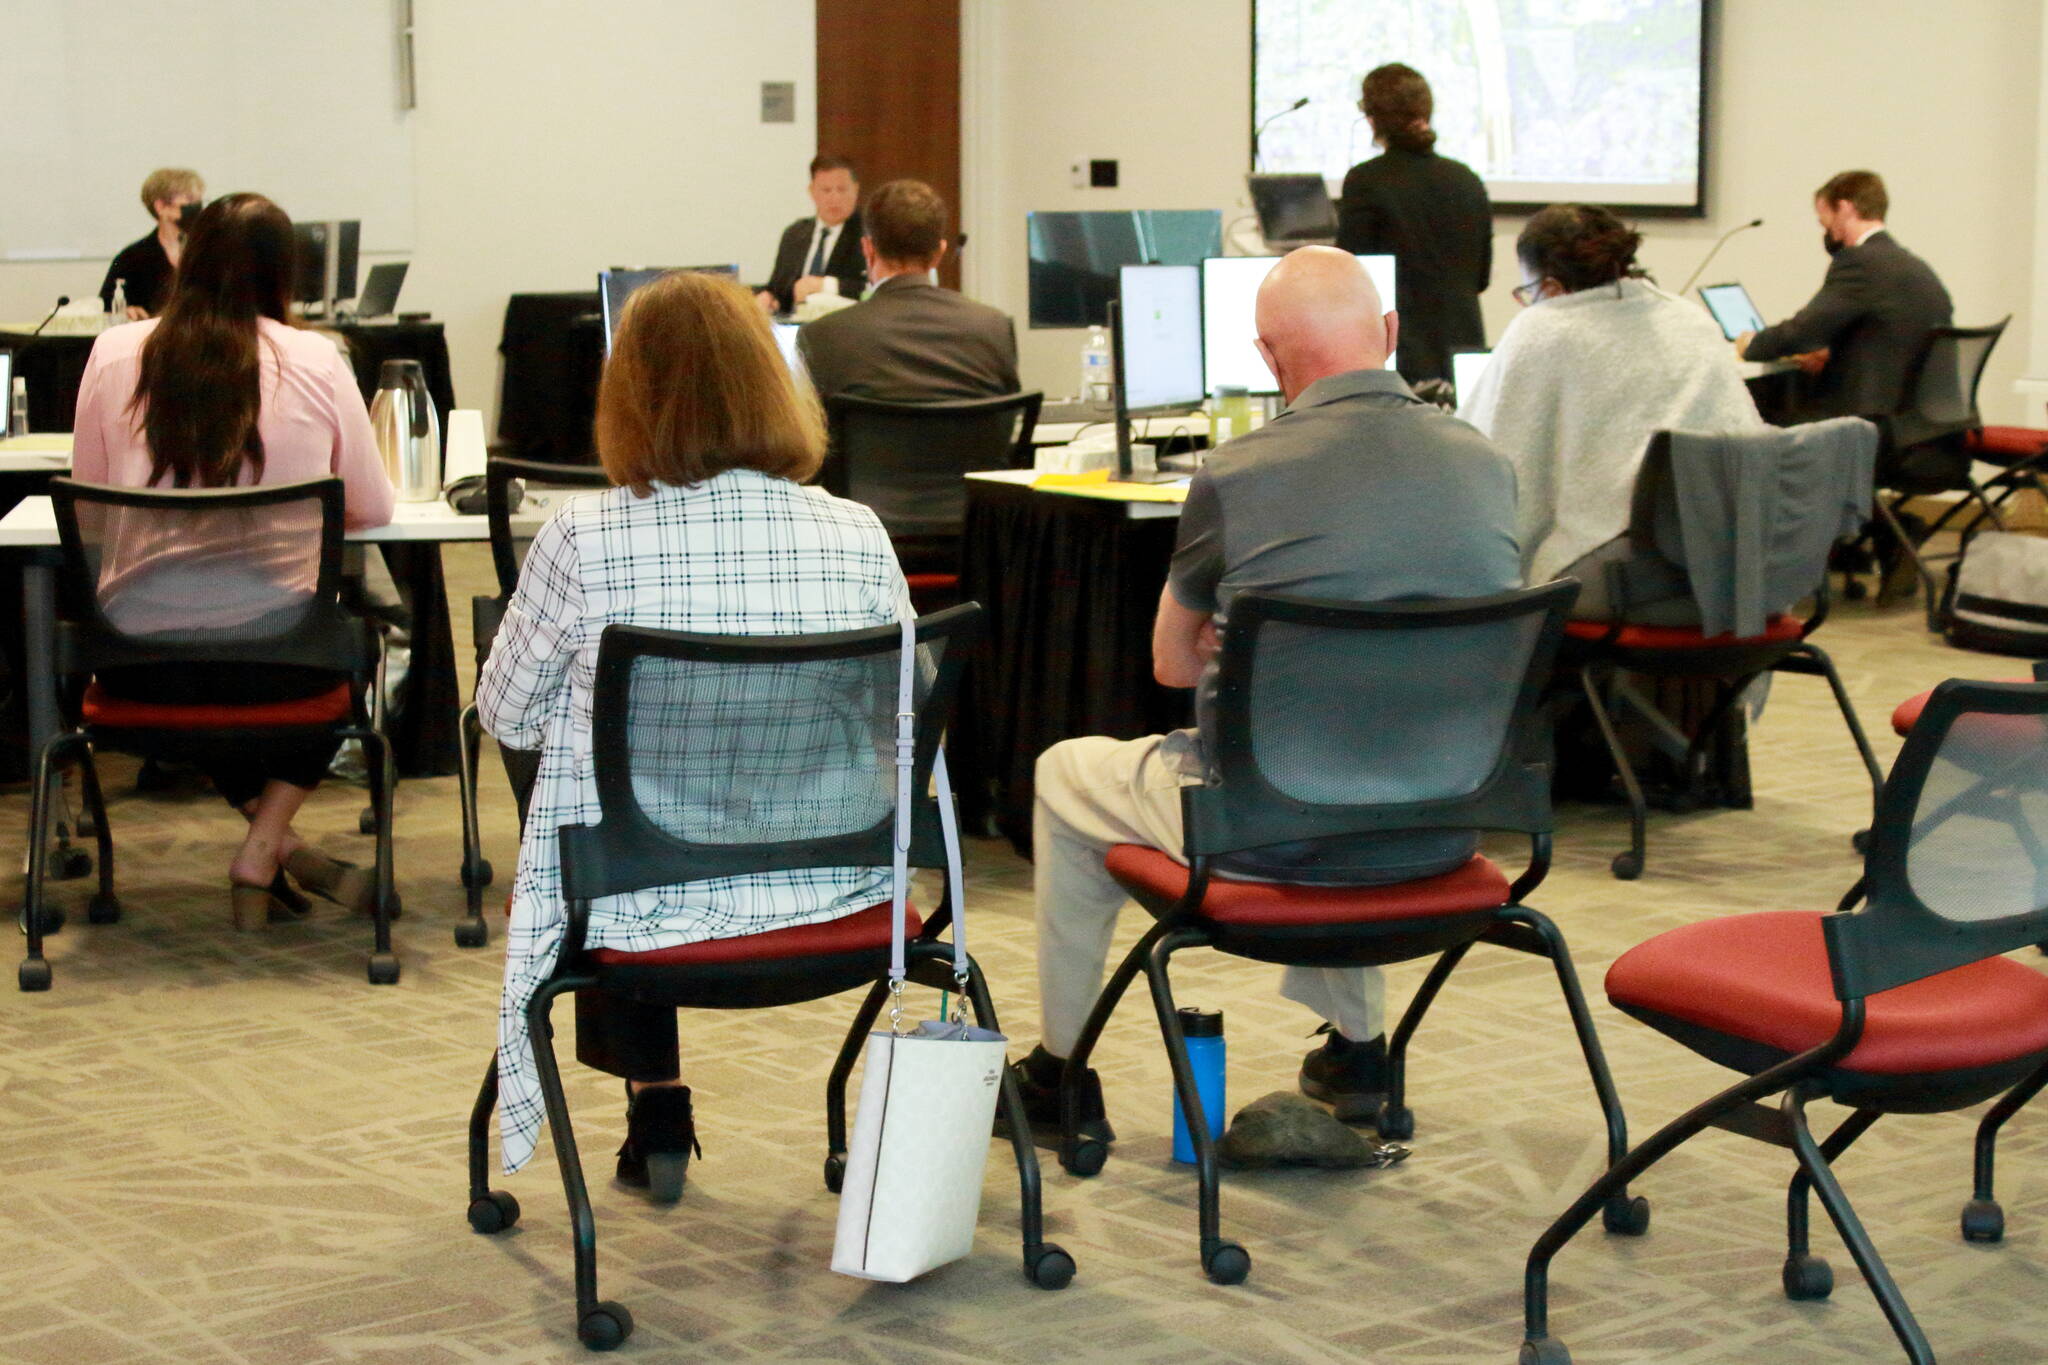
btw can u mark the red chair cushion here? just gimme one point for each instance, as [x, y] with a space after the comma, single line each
[1907, 714]
[1150, 874]
[1764, 977]
[857, 932]
[2012, 443]
[120, 713]
[932, 582]
[1777, 629]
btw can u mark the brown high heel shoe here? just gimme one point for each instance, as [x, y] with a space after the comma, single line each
[346, 884]
[254, 907]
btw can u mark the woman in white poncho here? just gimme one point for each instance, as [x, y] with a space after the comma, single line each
[1598, 361]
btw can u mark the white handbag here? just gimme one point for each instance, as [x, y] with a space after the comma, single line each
[912, 1189]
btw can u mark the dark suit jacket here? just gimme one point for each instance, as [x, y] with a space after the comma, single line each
[1873, 313]
[1431, 214]
[846, 263]
[912, 342]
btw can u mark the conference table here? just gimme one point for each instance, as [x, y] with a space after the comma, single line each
[423, 730]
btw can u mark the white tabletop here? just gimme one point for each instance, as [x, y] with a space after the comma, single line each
[40, 454]
[1022, 478]
[34, 523]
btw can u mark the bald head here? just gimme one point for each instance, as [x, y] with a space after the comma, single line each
[1319, 315]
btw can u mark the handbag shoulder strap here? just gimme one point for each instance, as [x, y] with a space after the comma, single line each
[949, 825]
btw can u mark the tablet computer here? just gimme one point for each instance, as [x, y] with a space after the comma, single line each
[1732, 308]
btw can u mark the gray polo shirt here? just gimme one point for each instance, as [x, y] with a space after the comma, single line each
[1362, 492]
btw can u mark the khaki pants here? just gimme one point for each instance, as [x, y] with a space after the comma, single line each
[1097, 792]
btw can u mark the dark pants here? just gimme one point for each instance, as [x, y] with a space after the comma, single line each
[239, 769]
[627, 1038]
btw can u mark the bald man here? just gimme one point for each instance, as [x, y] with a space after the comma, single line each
[1358, 491]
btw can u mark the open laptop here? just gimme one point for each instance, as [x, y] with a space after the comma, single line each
[1294, 209]
[1732, 308]
[616, 285]
[1466, 367]
[379, 298]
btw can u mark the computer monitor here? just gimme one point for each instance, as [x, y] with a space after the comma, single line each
[6, 393]
[1159, 337]
[1074, 257]
[1294, 208]
[1230, 293]
[326, 264]
[1732, 308]
[616, 285]
[1466, 367]
[380, 292]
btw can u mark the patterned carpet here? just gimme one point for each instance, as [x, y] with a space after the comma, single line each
[218, 1148]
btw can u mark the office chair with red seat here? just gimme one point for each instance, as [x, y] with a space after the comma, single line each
[536, 489]
[1336, 720]
[717, 756]
[153, 577]
[1754, 565]
[1902, 1007]
[906, 460]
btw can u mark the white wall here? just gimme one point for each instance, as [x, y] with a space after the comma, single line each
[1939, 98]
[554, 138]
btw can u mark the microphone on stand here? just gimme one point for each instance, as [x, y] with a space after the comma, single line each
[1301, 103]
[1739, 227]
[62, 299]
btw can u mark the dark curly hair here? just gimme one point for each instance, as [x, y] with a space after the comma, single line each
[1397, 102]
[1580, 246]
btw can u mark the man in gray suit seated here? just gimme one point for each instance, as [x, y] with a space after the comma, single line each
[910, 341]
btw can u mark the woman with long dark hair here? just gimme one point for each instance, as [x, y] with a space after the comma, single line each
[221, 391]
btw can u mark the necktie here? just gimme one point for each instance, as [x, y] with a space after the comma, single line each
[818, 256]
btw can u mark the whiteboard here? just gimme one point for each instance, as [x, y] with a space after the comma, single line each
[296, 99]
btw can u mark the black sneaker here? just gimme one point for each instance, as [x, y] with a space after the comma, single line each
[661, 1136]
[1349, 1077]
[1038, 1081]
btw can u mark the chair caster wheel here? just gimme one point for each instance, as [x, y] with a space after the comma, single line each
[34, 974]
[1227, 1263]
[1627, 866]
[1860, 841]
[104, 908]
[71, 864]
[1544, 1351]
[472, 933]
[605, 1327]
[1084, 1157]
[494, 1212]
[479, 875]
[383, 969]
[1395, 1122]
[835, 1172]
[1983, 1221]
[366, 823]
[1626, 1217]
[1808, 1278]
[1051, 1268]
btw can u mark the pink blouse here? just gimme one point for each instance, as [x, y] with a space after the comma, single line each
[313, 424]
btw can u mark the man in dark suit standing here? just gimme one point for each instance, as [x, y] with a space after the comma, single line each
[1862, 333]
[910, 341]
[823, 247]
[1429, 213]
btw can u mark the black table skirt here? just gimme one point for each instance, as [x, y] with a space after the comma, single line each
[53, 366]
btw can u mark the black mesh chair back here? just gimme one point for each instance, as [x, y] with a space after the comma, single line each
[1941, 396]
[1958, 864]
[906, 460]
[721, 755]
[1334, 719]
[232, 575]
[1806, 473]
[545, 487]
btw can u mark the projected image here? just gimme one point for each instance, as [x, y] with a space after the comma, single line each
[1548, 100]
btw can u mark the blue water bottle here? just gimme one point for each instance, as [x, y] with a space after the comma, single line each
[1203, 1030]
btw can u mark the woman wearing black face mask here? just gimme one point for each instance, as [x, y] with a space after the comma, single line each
[143, 269]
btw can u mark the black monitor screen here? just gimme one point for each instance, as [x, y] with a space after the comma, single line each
[313, 246]
[1293, 208]
[1075, 257]
[616, 285]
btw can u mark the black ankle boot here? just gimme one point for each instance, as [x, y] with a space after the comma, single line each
[661, 1136]
[1349, 1077]
[1038, 1081]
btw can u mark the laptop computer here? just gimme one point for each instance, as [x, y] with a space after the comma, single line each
[379, 298]
[1294, 208]
[1732, 308]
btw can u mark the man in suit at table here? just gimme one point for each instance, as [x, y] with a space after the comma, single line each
[826, 246]
[1862, 333]
[910, 341]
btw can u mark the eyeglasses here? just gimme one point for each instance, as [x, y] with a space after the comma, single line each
[1526, 294]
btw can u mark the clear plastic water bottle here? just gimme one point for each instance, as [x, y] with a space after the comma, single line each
[1095, 367]
[1203, 1030]
[17, 418]
[117, 309]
